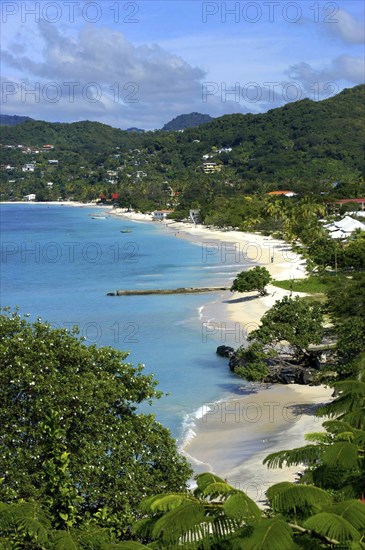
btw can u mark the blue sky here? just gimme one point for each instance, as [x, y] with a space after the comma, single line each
[141, 63]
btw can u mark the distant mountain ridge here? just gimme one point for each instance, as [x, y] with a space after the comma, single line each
[13, 120]
[303, 146]
[182, 122]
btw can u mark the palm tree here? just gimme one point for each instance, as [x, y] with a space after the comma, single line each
[336, 459]
[218, 516]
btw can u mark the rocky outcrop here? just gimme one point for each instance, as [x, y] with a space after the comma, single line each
[281, 370]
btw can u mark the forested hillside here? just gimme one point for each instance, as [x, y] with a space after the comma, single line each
[304, 146]
[182, 122]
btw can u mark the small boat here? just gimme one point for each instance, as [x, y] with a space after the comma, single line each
[98, 217]
[126, 231]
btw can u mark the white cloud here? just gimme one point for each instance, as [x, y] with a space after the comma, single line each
[343, 25]
[342, 68]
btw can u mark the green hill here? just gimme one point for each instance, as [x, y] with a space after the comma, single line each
[12, 120]
[182, 122]
[304, 146]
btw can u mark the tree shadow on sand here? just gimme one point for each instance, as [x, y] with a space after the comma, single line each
[240, 300]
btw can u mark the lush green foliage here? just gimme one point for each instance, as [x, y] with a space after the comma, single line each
[335, 461]
[305, 146]
[182, 122]
[12, 120]
[254, 279]
[313, 284]
[255, 361]
[293, 321]
[218, 516]
[346, 307]
[71, 435]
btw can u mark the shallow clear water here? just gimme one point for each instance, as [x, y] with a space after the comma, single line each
[58, 263]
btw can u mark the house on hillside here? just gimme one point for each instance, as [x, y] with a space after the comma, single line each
[361, 202]
[159, 215]
[28, 168]
[344, 228]
[194, 215]
[211, 167]
[285, 193]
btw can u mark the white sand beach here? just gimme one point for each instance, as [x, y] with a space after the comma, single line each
[233, 436]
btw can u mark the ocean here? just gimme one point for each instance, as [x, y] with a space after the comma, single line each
[58, 263]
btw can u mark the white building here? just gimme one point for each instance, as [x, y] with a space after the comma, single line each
[343, 228]
[30, 197]
[160, 214]
[28, 168]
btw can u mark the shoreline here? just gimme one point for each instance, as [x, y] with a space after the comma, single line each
[60, 203]
[231, 437]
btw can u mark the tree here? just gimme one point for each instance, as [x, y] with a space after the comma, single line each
[255, 363]
[346, 306]
[218, 517]
[335, 458]
[293, 321]
[66, 405]
[354, 252]
[254, 279]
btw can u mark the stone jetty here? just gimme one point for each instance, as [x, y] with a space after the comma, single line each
[184, 290]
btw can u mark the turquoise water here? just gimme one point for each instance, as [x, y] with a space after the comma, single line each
[58, 263]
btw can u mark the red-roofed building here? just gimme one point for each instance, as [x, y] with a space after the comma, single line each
[115, 196]
[356, 201]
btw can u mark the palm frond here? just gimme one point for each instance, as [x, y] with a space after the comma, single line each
[125, 545]
[332, 526]
[303, 455]
[270, 534]
[218, 489]
[143, 527]
[205, 479]
[352, 396]
[6, 516]
[163, 502]
[178, 521]
[338, 427]
[325, 477]
[356, 418]
[277, 488]
[351, 510]
[31, 517]
[341, 454]
[63, 540]
[300, 497]
[318, 437]
[240, 507]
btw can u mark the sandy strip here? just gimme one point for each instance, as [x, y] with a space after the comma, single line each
[233, 436]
